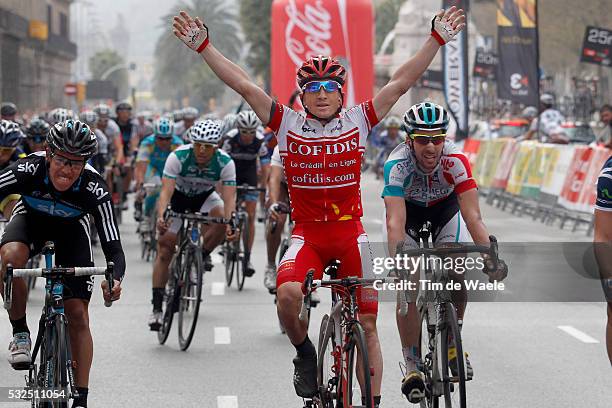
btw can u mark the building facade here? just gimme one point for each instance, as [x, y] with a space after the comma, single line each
[35, 53]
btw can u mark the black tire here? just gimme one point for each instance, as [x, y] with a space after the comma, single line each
[190, 297]
[228, 258]
[454, 387]
[328, 380]
[171, 296]
[358, 352]
[428, 359]
[242, 251]
[55, 356]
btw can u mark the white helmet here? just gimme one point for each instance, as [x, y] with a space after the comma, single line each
[393, 122]
[547, 99]
[247, 120]
[190, 113]
[89, 117]
[206, 131]
[58, 115]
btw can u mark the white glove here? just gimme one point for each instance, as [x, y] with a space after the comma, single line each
[193, 33]
[446, 25]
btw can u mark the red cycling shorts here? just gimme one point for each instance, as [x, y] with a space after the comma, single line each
[316, 244]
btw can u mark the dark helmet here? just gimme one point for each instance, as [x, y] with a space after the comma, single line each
[123, 106]
[37, 127]
[10, 134]
[73, 137]
[8, 109]
[321, 67]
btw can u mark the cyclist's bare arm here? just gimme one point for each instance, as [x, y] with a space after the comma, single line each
[139, 173]
[119, 149]
[228, 195]
[396, 222]
[165, 195]
[407, 74]
[470, 211]
[233, 75]
[274, 183]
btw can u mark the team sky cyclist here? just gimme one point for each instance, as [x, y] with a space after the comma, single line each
[603, 240]
[58, 190]
[429, 179]
[36, 132]
[245, 145]
[150, 161]
[326, 202]
[188, 184]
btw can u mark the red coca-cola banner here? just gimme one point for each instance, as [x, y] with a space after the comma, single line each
[340, 28]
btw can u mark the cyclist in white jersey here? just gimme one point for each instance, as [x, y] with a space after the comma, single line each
[325, 198]
[429, 179]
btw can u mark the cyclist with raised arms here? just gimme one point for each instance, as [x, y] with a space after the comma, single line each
[325, 200]
[58, 190]
[246, 147]
[188, 184]
[429, 179]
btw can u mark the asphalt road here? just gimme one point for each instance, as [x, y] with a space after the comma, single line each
[536, 354]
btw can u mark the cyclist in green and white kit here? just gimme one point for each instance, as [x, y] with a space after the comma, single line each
[188, 184]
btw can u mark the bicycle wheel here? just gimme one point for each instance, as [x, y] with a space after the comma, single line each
[358, 366]
[328, 365]
[171, 299]
[228, 259]
[243, 258]
[454, 383]
[427, 345]
[55, 355]
[190, 297]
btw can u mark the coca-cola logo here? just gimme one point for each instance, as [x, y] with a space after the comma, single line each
[315, 22]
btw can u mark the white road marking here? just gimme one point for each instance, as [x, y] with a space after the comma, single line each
[583, 337]
[217, 289]
[222, 335]
[227, 401]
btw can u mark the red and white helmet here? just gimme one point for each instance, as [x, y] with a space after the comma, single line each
[321, 67]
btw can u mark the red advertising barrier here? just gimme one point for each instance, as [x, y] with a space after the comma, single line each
[340, 28]
[470, 149]
[576, 175]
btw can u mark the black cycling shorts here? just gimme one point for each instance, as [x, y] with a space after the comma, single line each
[72, 246]
[438, 214]
[182, 203]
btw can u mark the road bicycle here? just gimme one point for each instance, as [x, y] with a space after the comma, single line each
[183, 293]
[51, 382]
[440, 337]
[236, 254]
[342, 349]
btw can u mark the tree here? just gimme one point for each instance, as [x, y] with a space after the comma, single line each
[101, 61]
[180, 72]
[387, 14]
[255, 19]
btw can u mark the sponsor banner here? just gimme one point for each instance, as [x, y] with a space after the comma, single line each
[576, 176]
[339, 28]
[485, 65]
[520, 167]
[479, 160]
[587, 197]
[491, 162]
[432, 79]
[536, 171]
[506, 161]
[597, 46]
[455, 68]
[517, 75]
[470, 149]
[556, 169]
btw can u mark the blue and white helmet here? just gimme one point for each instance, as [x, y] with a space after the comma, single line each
[164, 128]
[10, 134]
[426, 116]
[206, 131]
